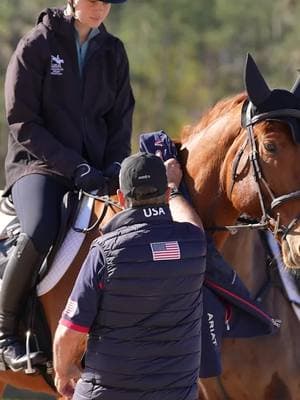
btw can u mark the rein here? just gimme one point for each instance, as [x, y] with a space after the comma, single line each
[266, 219]
[108, 203]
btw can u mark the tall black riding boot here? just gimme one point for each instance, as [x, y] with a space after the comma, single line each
[18, 278]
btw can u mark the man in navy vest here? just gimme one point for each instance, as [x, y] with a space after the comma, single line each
[138, 298]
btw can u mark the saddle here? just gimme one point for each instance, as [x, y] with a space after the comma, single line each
[10, 230]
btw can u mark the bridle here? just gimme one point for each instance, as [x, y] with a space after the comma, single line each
[267, 221]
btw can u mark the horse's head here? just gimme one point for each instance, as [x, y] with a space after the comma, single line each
[254, 165]
[272, 121]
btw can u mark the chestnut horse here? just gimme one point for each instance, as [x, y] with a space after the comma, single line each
[266, 367]
[227, 175]
[251, 168]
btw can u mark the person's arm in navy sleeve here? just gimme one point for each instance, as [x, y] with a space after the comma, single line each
[76, 320]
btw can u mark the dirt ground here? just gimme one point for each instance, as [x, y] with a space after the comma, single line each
[15, 394]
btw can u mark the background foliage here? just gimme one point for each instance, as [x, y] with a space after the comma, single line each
[184, 54]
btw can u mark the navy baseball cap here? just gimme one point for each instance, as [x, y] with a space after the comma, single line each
[143, 176]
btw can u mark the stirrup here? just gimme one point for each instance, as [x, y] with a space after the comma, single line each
[31, 355]
[29, 369]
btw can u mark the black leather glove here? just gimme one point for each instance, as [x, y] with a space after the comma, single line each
[89, 178]
[113, 170]
[111, 174]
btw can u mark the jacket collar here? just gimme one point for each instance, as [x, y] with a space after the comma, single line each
[155, 214]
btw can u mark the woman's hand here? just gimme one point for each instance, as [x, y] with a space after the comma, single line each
[89, 178]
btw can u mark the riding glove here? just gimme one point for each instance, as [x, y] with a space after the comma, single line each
[112, 177]
[89, 178]
[113, 170]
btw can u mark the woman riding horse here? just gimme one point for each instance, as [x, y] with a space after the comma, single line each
[69, 107]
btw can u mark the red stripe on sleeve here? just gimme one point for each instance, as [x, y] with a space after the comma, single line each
[75, 327]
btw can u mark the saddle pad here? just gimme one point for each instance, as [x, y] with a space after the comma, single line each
[69, 248]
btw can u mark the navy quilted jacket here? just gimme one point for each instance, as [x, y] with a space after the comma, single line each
[146, 340]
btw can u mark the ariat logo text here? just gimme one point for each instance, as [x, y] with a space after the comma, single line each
[211, 325]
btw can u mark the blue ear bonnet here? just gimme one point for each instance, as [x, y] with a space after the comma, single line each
[270, 105]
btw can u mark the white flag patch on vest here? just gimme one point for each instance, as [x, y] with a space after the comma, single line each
[70, 308]
[165, 251]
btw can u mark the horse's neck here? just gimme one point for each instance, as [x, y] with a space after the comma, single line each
[206, 156]
[250, 260]
[247, 253]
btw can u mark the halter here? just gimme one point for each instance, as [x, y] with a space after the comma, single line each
[248, 121]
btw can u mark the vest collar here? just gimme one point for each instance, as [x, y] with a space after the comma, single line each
[147, 214]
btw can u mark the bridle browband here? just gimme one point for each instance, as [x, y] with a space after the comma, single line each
[287, 112]
[266, 221]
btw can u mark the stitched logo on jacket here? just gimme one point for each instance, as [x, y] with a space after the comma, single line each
[56, 65]
[71, 308]
[211, 324]
[165, 251]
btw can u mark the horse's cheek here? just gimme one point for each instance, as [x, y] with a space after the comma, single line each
[244, 197]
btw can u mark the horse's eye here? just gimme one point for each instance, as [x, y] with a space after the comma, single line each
[270, 147]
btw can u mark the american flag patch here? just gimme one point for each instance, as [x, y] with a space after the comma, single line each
[70, 308]
[165, 251]
[158, 142]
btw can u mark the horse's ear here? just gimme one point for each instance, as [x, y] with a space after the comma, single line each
[296, 88]
[256, 87]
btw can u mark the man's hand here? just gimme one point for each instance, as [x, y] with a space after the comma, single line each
[65, 383]
[64, 386]
[174, 172]
[68, 349]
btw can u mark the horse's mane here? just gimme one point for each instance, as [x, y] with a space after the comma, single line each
[217, 111]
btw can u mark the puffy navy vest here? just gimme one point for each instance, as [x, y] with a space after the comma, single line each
[147, 336]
